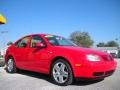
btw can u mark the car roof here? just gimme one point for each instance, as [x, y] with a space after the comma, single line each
[38, 34]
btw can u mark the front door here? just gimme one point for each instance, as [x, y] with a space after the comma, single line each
[38, 57]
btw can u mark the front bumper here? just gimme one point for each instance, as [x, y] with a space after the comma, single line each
[95, 70]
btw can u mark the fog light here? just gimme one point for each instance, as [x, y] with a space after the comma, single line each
[77, 65]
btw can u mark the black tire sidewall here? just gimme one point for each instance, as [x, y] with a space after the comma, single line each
[14, 66]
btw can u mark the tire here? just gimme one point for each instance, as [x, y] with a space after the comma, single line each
[10, 66]
[61, 73]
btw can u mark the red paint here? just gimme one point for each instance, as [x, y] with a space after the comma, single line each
[40, 59]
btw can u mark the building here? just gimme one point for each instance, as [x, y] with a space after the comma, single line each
[3, 51]
[114, 51]
[2, 21]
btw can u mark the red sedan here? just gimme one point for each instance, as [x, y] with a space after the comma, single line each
[58, 57]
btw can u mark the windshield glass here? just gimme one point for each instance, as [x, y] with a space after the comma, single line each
[59, 41]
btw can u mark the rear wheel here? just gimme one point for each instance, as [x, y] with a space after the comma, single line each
[61, 73]
[11, 67]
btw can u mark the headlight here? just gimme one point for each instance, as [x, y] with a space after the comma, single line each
[91, 57]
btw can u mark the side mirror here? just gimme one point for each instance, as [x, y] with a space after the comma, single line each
[38, 44]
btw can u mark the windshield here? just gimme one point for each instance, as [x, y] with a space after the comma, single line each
[59, 41]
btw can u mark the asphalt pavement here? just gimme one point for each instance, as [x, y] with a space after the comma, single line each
[24, 80]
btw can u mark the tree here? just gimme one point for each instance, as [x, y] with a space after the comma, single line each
[101, 44]
[9, 43]
[81, 39]
[112, 44]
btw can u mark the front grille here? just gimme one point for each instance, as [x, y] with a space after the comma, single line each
[107, 57]
[98, 73]
[109, 72]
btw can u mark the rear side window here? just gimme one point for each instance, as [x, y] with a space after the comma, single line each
[23, 42]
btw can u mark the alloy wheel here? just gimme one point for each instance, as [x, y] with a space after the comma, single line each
[60, 72]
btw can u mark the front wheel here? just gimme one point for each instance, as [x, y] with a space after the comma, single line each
[11, 68]
[61, 73]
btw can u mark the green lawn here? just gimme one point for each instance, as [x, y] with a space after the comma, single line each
[2, 63]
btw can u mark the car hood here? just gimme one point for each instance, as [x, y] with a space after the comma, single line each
[82, 50]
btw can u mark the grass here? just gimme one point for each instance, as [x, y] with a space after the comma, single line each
[2, 63]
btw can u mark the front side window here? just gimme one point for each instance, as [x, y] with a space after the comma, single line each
[59, 41]
[23, 42]
[36, 39]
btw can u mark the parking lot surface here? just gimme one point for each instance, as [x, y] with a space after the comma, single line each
[24, 80]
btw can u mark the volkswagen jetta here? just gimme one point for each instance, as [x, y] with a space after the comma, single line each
[58, 57]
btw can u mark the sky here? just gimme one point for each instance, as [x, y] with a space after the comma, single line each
[100, 18]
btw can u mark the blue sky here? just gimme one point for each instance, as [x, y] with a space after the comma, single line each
[100, 18]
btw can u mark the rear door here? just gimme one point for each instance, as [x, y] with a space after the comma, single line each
[21, 51]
